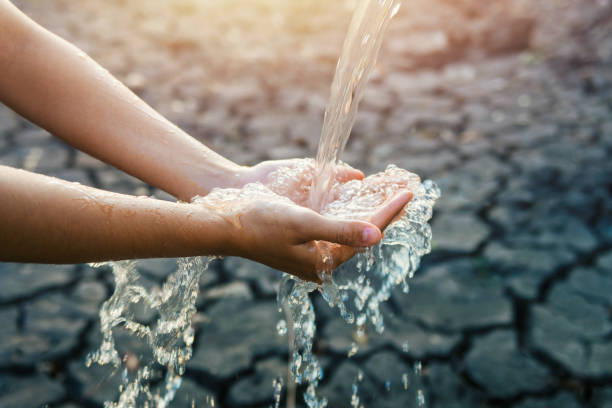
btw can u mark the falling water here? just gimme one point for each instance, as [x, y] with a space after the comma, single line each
[356, 62]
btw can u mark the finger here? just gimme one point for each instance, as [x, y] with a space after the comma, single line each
[308, 262]
[346, 232]
[390, 209]
[315, 257]
[346, 173]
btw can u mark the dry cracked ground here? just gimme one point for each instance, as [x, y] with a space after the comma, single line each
[506, 104]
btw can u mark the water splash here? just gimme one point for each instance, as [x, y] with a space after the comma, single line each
[277, 385]
[420, 395]
[359, 286]
[355, 400]
[420, 399]
[405, 381]
[357, 289]
[169, 337]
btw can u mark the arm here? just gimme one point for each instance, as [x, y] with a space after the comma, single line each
[44, 219]
[55, 85]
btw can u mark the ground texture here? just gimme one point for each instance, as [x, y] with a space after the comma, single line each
[506, 104]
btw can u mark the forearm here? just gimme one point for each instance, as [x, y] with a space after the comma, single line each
[43, 219]
[55, 85]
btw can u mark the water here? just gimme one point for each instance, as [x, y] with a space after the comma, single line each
[168, 338]
[356, 62]
[357, 288]
[277, 385]
[405, 381]
[355, 400]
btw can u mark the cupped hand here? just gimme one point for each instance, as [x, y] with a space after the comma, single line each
[289, 236]
[283, 235]
[293, 178]
[297, 240]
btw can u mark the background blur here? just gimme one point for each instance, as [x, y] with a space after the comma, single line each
[506, 104]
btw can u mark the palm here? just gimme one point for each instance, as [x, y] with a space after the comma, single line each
[293, 178]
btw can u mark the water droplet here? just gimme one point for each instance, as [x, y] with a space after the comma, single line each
[420, 398]
[277, 384]
[131, 361]
[405, 287]
[388, 385]
[405, 380]
[281, 327]
[353, 350]
[418, 368]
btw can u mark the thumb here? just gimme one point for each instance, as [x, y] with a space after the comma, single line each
[345, 232]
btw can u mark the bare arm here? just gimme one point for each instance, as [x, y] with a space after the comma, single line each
[57, 86]
[44, 219]
[48, 220]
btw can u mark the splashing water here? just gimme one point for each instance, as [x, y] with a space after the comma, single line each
[170, 337]
[359, 286]
[355, 401]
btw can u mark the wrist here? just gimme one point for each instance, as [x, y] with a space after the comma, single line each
[206, 174]
[210, 230]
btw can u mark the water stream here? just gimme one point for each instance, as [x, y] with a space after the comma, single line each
[356, 62]
[356, 289]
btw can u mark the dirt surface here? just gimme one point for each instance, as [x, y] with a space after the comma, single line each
[507, 105]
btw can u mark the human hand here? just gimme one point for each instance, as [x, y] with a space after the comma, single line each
[295, 177]
[294, 239]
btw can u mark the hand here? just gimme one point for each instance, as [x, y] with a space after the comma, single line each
[295, 239]
[297, 176]
[293, 179]
[284, 236]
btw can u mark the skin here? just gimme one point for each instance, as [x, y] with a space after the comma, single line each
[42, 219]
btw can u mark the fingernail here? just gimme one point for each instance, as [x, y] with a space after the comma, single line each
[370, 235]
